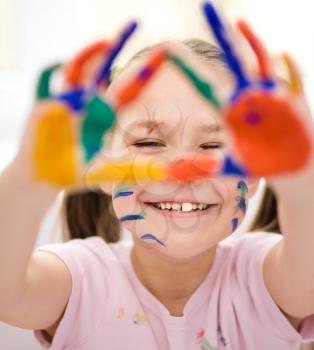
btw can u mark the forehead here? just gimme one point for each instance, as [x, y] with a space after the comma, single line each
[170, 97]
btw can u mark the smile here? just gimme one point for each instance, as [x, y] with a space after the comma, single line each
[182, 209]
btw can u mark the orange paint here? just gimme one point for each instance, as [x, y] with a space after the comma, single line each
[134, 87]
[258, 48]
[268, 134]
[193, 168]
[74, 71]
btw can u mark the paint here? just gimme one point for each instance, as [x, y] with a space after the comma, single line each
[151, 236]
[243, 189]
[122, 192]
[202, 86]
[133, 217]
[235, 222]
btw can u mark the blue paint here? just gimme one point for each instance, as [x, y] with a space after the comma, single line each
[132, 217]
[221, 337]
[76, 99]
[235, 222]
[145, 73]
[241, 204]
[221, 35]
[150, 236]
[105, 71]
[242, 187]
[122, 194]
[230, 167]
[253, 118]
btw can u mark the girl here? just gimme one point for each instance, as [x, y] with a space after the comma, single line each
[185, 282]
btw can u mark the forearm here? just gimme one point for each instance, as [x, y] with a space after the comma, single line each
[296, 216]
[22, 208]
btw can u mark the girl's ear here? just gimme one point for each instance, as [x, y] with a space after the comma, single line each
[253, 184]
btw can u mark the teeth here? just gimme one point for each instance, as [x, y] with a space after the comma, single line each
[176, 206]
[185, 207]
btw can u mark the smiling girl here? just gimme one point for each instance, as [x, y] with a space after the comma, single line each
[184, 282]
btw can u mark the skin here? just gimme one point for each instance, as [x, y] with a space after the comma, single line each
[173, 271]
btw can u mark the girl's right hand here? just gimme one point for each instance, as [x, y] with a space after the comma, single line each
[50, 154]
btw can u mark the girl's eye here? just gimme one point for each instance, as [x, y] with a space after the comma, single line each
[142, 144]
[213, 145]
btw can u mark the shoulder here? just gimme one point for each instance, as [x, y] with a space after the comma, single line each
[244, 253]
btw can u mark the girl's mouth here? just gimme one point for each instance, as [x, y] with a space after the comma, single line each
[182, 209]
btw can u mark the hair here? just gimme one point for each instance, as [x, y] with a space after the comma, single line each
[91, 213]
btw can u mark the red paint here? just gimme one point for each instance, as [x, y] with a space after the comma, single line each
[277, 143]
[134, 87]
[258, 48]
[193, 168]
[74, 71]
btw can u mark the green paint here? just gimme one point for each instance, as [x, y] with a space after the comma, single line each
[201, 85]
[99, 118]
[43, 85]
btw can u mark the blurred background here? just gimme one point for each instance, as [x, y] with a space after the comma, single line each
[36, 33]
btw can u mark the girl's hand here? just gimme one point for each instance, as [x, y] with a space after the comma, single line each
[66, 130]
[270, 121]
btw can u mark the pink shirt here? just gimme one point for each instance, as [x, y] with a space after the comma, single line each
[110, 309]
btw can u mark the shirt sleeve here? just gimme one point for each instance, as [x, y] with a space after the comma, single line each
[263, 305]
[78, 320]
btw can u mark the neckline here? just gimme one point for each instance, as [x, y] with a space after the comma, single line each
[150, 301]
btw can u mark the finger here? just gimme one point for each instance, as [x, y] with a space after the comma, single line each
[53, 152]
[202, 86]
[264, 62]
[74, 73]
[43, 85]
[104, 73]
[129, 91]
[294, 77]
[220, 33]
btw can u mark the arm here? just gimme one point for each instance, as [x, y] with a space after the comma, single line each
[28, 281]
[289, 265]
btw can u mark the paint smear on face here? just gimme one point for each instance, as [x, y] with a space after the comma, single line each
[243, 189]
[235, 222]
[123, 192]
[131, 217]
[151, 236]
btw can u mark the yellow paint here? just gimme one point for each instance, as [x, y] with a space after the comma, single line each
[140, 316]
[54, 153]
[293, 74]
[121, 313]
[127, 171]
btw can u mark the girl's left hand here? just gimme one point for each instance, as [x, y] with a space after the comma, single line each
[270, 120]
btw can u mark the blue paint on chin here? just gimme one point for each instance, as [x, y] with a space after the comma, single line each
[150, 236]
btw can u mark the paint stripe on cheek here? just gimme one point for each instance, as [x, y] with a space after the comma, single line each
[122, 194]
[132, 217]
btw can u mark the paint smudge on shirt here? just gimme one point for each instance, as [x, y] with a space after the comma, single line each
[203, 341]
[121, 313]
[139, 317]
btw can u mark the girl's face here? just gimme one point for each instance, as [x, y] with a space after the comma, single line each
[168, 121]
